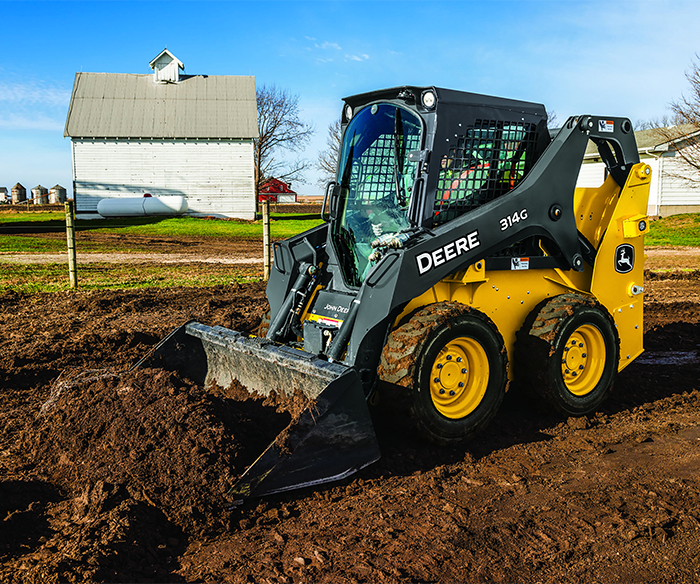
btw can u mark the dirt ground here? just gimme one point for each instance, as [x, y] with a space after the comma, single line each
[107, 476]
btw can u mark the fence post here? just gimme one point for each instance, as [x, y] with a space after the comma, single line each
[70, 235]
[267, 252]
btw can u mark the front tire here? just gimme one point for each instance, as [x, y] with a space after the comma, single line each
[457, 374]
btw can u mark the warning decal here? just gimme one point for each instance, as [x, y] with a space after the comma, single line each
[606, 126]
[519, 263]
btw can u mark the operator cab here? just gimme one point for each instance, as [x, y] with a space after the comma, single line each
[401, 171]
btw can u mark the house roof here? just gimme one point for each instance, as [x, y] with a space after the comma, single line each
[652, 140]
[123, 105]
[274, 185]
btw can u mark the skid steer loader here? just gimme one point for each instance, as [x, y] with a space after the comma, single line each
[456, 255]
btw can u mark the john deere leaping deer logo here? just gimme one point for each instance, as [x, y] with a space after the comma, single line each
[624, 258]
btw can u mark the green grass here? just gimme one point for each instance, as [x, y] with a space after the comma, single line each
[57, 244]
[21, 244]
[282, 226]
[18, 235]
[105, 276]
[32, 216]
[676, 230]
[15, 222]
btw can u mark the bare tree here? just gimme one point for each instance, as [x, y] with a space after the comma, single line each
[279, 128]
[329, 158]
[682, 130]
[650, 124]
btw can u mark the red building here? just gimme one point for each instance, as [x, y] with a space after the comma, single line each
[276, 191]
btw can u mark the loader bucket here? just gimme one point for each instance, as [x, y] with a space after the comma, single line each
[331, 439]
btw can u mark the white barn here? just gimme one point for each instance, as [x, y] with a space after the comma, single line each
[669, 194]
[165, 134]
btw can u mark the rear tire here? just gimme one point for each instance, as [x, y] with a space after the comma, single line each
[567, 354]
[458, 374]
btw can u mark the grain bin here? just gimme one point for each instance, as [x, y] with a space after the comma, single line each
[40, 195]
[57, 195]
[19, 194]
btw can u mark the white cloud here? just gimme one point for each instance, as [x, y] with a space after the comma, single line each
[329, 48]
[34, 93]
[33, 105]
[42, 122]
[363, 57]
[324, 46]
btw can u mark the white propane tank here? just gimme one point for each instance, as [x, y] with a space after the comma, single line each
[142, 206]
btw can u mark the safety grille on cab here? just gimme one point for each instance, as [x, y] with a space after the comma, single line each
[488, 161]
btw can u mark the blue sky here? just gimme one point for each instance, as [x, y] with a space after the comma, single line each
[625, 58]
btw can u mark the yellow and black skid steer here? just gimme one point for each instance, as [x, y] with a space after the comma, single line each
[456, 255]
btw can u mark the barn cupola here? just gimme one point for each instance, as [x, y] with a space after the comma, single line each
[166, 67]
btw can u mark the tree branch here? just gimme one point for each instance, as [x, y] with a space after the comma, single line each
[279, 127]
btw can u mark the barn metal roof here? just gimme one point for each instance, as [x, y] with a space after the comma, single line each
[123, 105]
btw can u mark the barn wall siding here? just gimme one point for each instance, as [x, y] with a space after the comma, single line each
[216, 177]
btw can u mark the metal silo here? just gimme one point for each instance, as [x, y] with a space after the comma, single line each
[57, 195]
[19, 194]
[40, 195]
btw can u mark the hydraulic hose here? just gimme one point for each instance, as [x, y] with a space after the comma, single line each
[286, 311]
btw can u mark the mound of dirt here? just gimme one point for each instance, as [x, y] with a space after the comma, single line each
[153, 436]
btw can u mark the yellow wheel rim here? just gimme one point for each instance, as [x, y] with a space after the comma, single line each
[583, 360]
[459, 377]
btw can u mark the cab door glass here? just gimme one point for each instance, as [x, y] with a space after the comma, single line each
[376, 179]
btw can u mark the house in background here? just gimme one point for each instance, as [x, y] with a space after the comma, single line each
[276, 191]
[167, 134]
[669, 193]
